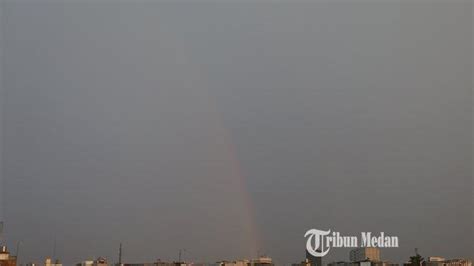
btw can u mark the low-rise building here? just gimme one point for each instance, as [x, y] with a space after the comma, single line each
[458, 262]
[233, 263]
[157, 263]
[382, 263]
[98, 262]
[49, 262]
[435, 258]
[139, 264]
[342, 263]
[434, 261]
[363, 263]
[262, 261]
[5, 258]
[86, 263]
[440, 261]
[306, 262]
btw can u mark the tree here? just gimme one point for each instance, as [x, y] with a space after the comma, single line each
[416, 260]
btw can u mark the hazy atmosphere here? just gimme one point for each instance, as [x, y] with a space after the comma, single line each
[229, 128]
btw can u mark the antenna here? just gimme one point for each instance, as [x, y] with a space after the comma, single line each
[54, 249]
[181, 252]
[120, 255]
[1, 231]
[18, 249]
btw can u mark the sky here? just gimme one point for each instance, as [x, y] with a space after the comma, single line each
[230, 128]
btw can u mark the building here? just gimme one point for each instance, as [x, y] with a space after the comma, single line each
[5, 258]
[310, 260]
[363, 263]
[49, 262]
[262, 261]
[98, 262]
[440, 261]
[342, 263]
[157, 263]
[225, 263]
[434, 261]
[306, 262]
[363, 254]
[86, 263]
[139, 264]
[458, 262]
[233, 263]
[364, 257]
[241, 263]
[381, 263]
[314, 261]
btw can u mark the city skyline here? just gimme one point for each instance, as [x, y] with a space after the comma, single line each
[367, 256]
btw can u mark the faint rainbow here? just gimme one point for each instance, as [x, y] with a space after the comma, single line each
[230, 152]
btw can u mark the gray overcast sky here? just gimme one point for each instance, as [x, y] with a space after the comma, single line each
[231, 128]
